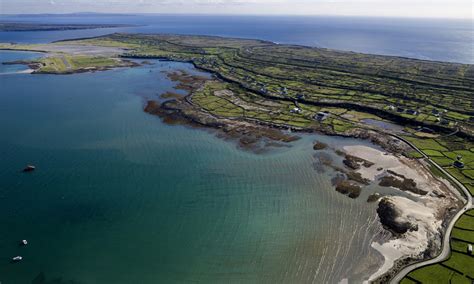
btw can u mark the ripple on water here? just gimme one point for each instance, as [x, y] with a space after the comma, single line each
[116, 190]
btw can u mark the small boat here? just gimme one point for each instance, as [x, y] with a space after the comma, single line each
[17, 258]
[23, 242]
[29, 168]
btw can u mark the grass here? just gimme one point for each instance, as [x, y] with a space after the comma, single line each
[88, 61]
[67, 63]
[321, 74]
[444, 151]
[414, 155]
[461, 262]
[432, 274]
[426, 144]
[433, 153]
[443, 161]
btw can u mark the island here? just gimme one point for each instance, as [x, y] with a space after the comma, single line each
[30, 27]
[263, 94]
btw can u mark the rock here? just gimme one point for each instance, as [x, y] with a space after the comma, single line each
[351, 175]
[348, 188]
[373, 197]
[354, 162]
[319, 145]
[435, 193]
[389, 216]
[402, 183]
[351, 162]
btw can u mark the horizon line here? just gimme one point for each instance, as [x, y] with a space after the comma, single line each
[238, 14]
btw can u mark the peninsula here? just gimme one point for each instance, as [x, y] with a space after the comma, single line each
[421, 112]
[28, 27]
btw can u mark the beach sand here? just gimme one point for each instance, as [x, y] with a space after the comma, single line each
[426, 212]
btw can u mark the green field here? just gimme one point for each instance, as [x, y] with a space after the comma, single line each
[69, 64]
[359, 85]
[445, 151]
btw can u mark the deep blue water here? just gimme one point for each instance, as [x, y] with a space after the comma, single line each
[432, 39]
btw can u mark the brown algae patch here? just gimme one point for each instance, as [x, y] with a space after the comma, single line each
[179, 109]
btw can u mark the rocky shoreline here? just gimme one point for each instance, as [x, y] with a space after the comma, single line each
[256, 136]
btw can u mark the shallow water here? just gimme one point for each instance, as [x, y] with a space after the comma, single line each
[120, 197]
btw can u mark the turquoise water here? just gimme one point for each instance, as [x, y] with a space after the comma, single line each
[120, 197]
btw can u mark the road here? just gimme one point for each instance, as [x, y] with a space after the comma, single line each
[446, 239]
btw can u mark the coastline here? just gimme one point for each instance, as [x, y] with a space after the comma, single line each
[183, 110]
[397, 249]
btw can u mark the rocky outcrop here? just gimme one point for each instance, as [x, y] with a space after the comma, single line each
[401, 182]
[373, 197]
[390, 217]
[354, 162]
[349, 188]
[319, 145]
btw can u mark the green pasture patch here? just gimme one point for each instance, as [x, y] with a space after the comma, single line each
[461, 262]
[460, 279]
[433, 153]
[466, 222]
[464, 235]
[426, 144]
[459, 246]
[469, 173]
[414, 155]
[432, 274]
[459, 176]
[443, 161]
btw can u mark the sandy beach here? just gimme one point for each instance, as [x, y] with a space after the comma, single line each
[425, 213]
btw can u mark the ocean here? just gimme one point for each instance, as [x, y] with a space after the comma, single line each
[430, 39]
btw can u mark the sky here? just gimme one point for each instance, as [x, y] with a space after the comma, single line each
[380, 8]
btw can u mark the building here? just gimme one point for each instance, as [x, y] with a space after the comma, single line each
[412, 112]
[469, 249]
[444, 122]
[458, 164]
[296, 110]
[322, 115]
[391, 107]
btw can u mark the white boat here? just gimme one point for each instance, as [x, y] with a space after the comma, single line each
[17, 258]
[29, 168]
[24, 242]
